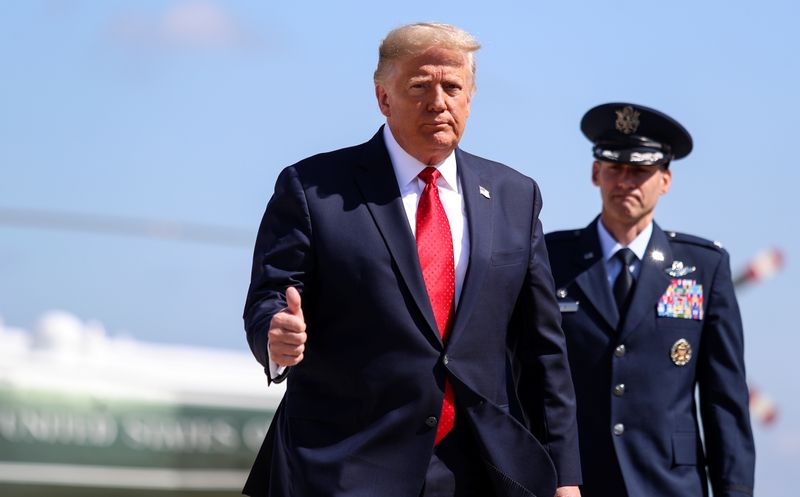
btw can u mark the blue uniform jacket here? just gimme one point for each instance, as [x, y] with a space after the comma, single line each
[637, 409]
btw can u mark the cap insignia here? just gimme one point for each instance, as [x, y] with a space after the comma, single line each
[627, 120]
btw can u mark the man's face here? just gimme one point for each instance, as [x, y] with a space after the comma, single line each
[629, 192]
[426, 99]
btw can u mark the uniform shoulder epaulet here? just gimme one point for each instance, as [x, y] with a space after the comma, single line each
[675, 237]
[562, 236]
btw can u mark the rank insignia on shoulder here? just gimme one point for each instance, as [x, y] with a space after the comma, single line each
[683, 299]
[678, 269]
[681, 352]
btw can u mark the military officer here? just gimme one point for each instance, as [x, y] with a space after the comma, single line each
[649, 315]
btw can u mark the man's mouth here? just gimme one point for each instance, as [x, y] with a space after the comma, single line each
[625, 196]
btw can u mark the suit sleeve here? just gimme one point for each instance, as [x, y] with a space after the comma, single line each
[543, 379]
[723, 391]
[282, 258]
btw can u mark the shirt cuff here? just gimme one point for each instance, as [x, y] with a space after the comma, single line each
[276, 373]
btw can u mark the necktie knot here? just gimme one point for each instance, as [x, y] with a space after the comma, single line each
[626, 256]
[429, 175]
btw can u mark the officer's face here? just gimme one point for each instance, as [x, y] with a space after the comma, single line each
[426, 100]
[630, 193]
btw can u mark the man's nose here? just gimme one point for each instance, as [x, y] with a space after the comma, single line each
[627, 178]
[437, 101]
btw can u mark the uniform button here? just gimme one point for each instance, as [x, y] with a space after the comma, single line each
[619, 351]
[619, 390]
[431, 421]
[445, 360]
[619, 429]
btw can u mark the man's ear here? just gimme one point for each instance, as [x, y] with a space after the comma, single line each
[595, 172]
[666, 180]
[383, 99]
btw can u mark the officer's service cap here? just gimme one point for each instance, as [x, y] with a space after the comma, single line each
[634, 134]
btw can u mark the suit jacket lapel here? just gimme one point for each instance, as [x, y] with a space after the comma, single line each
[479, 220]
[376, 180]
[651, 283]
[593, 281]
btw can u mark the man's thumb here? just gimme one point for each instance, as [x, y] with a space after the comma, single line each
[293, 301]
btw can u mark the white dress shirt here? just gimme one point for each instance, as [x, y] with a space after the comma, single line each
[610, 246]
[406, 171]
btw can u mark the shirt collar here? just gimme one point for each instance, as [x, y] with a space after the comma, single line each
[610, 246]
[406, 167]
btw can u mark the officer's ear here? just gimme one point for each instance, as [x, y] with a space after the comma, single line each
[666, 179]
[595, 172]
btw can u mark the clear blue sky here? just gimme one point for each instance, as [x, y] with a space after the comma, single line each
[186, 111]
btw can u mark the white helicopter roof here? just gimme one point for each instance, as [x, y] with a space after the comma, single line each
[66, 355]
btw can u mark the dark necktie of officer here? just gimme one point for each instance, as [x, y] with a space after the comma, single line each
[624, 281]
[435, 249]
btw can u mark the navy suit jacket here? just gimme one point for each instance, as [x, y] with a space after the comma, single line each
[625, 375]
[358, 415]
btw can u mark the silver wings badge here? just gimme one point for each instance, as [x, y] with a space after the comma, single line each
[679, 270]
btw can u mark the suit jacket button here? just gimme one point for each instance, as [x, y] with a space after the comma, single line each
[431, 421]
[619, 351]
[619, 429]
[619, 390]
[445, 360]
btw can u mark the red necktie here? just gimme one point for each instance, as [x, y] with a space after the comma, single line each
[435, 248]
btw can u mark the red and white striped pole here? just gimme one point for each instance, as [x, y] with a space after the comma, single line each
[762, 408]
[762, 267]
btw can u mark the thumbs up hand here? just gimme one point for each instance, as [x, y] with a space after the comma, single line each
[287, 332]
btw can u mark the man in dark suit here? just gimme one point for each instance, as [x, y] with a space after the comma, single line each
[649, 316]
[390, 281]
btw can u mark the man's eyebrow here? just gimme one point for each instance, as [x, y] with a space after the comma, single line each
[452, 79]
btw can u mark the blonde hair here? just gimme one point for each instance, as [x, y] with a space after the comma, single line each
[413, 39]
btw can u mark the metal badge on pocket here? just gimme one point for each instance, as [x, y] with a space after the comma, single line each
[681, 352]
